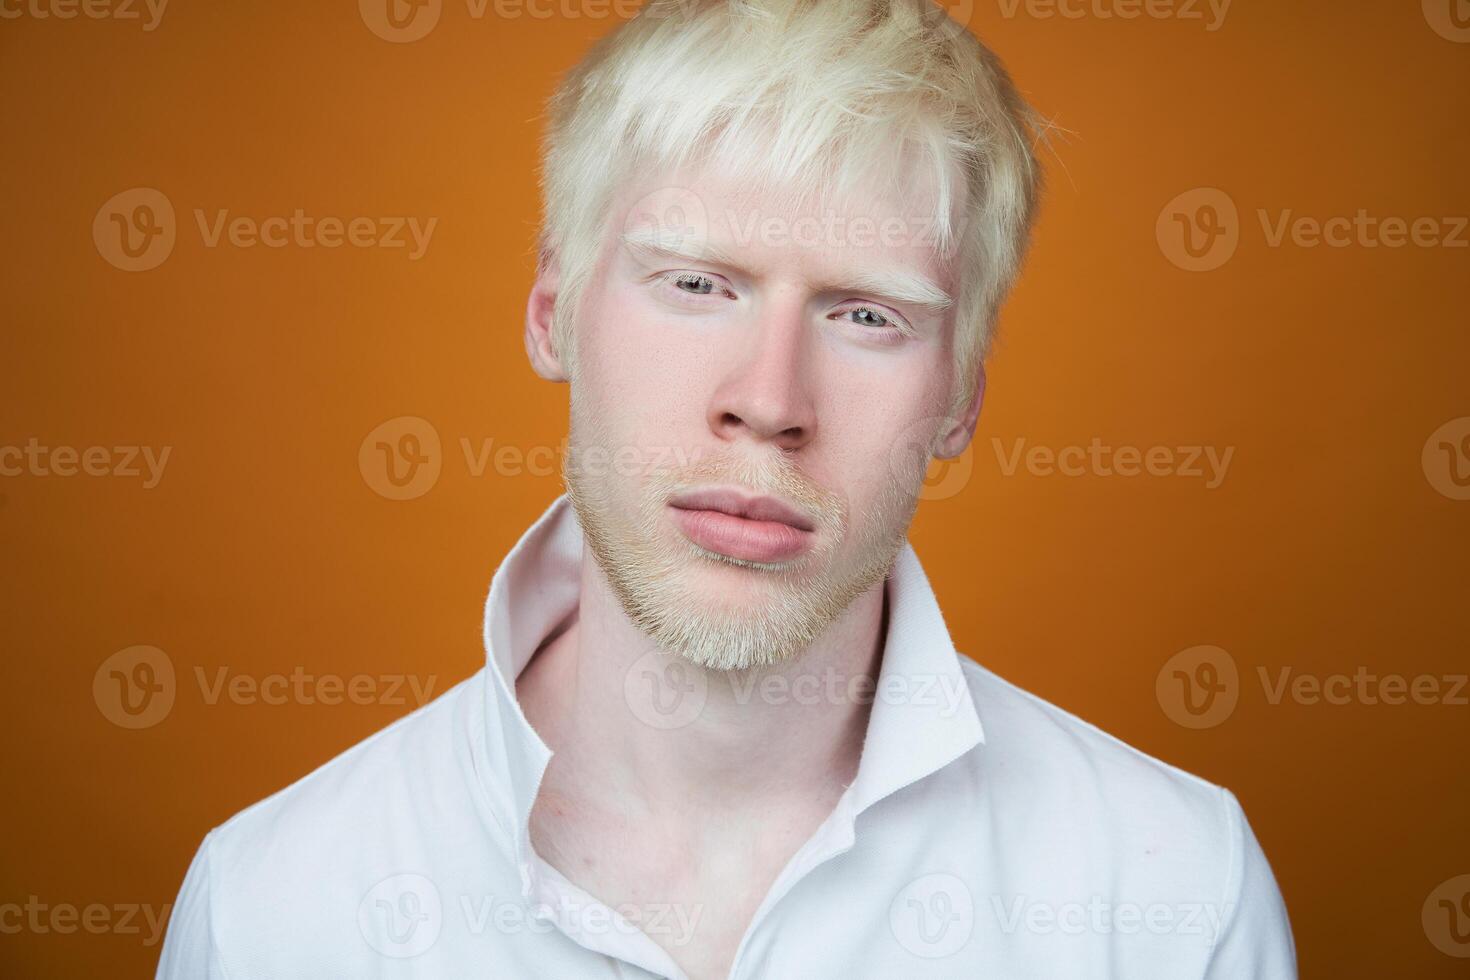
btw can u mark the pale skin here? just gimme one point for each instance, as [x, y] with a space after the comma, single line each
[769, 357]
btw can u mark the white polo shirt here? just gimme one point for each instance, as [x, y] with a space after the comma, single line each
[1034, 847]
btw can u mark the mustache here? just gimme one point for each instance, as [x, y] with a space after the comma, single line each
[769, 474]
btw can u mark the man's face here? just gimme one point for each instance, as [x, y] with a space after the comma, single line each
[755, 396]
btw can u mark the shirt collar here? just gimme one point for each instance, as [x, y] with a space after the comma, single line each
[923, 717]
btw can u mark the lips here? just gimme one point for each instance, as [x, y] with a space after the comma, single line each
[738, 525]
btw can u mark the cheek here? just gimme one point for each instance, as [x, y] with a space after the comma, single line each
[882, 392]
[878, 429]
[860, 427]
[640, 375]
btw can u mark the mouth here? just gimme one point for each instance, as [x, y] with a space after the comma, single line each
[739, 525]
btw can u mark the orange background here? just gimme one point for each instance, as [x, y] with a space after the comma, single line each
[264, 549]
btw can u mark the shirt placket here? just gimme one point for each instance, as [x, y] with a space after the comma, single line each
[551, 897]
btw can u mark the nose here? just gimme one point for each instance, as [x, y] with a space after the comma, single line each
[765, 396]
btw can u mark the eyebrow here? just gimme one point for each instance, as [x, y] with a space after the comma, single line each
[906, 288]
[657, 244]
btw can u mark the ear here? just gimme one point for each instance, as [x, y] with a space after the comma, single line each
[540, 310]
[962, 429]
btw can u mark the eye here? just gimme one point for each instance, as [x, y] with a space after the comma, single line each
[876, 322]
[867, 317]
[690, 282]
[693, 284]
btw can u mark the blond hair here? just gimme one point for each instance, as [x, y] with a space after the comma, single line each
[806, 94]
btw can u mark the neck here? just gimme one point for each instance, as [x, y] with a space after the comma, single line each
[731, 743]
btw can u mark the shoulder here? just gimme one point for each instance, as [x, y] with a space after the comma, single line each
[289, 872]
[1051, 782]
[1084, 814]
[280, 888]
[368, 786]
[1057, 751]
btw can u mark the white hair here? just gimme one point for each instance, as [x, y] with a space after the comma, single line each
[807, 97]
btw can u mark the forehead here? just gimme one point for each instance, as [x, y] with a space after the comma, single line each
[879, 223]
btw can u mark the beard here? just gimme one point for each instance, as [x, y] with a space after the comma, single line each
[677, 593]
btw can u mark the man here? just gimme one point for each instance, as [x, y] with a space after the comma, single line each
[722, 730]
